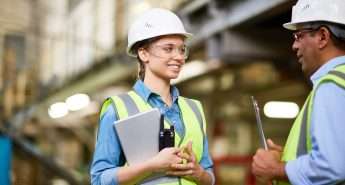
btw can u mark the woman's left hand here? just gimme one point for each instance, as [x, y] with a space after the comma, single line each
[191, 169]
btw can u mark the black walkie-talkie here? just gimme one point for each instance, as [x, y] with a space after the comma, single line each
[166, 136]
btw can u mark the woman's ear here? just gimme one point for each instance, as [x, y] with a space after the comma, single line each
[143, 55]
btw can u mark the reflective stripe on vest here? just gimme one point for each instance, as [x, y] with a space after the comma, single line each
[191, 112]
[299, 139]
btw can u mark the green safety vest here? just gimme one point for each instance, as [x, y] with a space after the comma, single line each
[299, 139]
[193, 120]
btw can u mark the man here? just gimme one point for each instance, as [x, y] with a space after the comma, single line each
[315, 150]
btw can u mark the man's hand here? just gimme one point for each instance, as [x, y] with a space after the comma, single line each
[267, 165]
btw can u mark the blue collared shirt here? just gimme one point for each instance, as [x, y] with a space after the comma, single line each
[108, 155]
[326, 162]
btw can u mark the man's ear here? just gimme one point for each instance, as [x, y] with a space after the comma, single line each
[143, 55]
[324, 37]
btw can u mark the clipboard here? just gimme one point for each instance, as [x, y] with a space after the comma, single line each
[259, 123]
[139, 135]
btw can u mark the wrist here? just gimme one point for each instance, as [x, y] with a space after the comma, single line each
[150, 166]
[205, 178]
[280, 172]
[200, 175]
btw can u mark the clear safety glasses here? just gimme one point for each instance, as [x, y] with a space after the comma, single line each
[299, 34]
[169, 51]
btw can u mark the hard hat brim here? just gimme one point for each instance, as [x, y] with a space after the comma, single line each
[293, 25]
[290, 26]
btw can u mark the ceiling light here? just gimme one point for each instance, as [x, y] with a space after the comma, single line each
[77, 101]
[280, 109]
[58, 110]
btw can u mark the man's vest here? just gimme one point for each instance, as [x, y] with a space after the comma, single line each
[193, 120]
[299, 140]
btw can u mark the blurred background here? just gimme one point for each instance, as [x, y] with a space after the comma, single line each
[61, 59]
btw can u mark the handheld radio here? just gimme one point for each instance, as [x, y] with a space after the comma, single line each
[166, 136]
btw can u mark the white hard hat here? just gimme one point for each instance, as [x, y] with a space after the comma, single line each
[152, 23]
[306, 11]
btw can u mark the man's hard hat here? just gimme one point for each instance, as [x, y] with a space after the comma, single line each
[152, 23]
[306, 11]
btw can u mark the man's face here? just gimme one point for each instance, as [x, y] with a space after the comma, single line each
[307, 50]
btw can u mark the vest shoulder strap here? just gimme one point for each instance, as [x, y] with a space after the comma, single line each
[130, 105]
[196, 108]
[128, 102]
[336, 76]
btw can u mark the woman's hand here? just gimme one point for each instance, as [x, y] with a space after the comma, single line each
[162, 162]
[190, 168]
[165, 159]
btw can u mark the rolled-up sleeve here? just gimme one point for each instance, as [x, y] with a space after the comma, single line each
[206, 161]
[107, 156]
[326, 162]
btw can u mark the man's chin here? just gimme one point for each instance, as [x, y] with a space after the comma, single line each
[306, 72]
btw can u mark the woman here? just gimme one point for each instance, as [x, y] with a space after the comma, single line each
[157, 39]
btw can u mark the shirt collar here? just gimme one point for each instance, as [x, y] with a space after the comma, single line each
[145, 92]
[324, 69]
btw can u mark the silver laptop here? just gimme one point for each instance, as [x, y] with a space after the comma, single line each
[139, 135]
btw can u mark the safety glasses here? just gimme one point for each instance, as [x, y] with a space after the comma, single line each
[298, 35]
[169, 51]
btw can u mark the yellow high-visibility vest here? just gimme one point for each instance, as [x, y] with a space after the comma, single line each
[193, 120]
[299, 139]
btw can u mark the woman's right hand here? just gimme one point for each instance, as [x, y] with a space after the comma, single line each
[165, 159]
[162, 162]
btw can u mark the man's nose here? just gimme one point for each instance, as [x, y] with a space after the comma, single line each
[295, 46]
